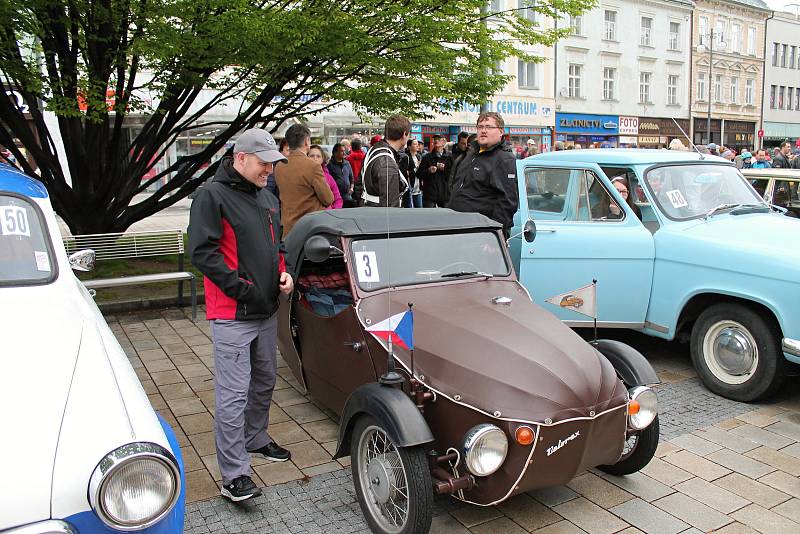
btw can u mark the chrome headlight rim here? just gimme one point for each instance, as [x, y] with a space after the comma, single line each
[113, 462]
[648, 400]
[472, 438]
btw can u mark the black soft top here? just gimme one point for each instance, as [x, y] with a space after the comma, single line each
[373, 221]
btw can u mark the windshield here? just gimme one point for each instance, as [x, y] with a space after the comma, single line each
[24, 249]
[380, 263]
[691, 191]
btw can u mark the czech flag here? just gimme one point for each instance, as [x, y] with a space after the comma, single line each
[399, 328]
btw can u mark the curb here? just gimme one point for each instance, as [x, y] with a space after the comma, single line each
[123, 306]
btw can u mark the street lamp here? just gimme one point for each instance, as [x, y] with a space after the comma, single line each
[701, 48]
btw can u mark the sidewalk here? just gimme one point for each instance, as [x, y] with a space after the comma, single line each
[175, 216]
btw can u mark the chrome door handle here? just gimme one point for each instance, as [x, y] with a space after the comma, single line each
[545, 231]
[355, 345]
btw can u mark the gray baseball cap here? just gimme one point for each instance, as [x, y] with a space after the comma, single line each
[259, 142]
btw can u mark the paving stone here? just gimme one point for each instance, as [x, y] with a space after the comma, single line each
[140, 335]
[151, 354]
[186, 406]
[739, 463]
[315, 470]
[714, 496]
[726, 439]
[191, 460]
[697, 465]
[308, 453]
[447, 524]
[640, 485]
[157, 401]
[287, 433]
[201, 383]
[528, 513]
[196, 423]
[203, 443]
[648, 518]
[695, 513]
[185, 359]
[783, 482]
[735, 528]
[634, 530]
[145, 344]
[789, 509]
[305, 413]
[598, 490]
[325, 430]
[277, 415]
[785, 428]
[792, 450]
[176, 348]
[777, 459]
[166, 377]
[765, 520]
[200, 485]
[501, 525]
[664, 472]
[762, 436]
[154, 366]
[176, 391]
[278, 472]
[471, 516]
[212, 465]
[149, 387]
[287, 397]
[194, 370]
[553, 496]
[198, 339]
[589, 516]
[752, 490]
[562, 527]
[665, 447]
[696, 444]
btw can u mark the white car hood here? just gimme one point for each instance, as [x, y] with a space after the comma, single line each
[40, 345]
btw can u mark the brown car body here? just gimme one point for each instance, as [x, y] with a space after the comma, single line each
[483, 353]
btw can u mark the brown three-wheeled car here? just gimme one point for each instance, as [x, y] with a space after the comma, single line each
[410, 325]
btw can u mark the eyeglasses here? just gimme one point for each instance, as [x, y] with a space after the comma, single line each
[622, 191]
[485, 128]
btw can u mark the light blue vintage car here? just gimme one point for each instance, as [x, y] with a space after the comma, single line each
[695, 254]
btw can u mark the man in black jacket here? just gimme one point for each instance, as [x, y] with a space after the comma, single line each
[781, 159]
[235, 241]
[434, 170]
[486, 178]
[384, 183]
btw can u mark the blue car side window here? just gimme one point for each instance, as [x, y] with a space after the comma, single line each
[547, 192]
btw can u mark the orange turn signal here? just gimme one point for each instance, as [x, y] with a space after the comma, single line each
[633, 407]
[524, 435]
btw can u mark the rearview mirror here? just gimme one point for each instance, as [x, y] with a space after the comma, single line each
[82, 261]
[529, 231]
[317, 249]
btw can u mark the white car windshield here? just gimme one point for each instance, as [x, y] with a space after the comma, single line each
[24, 247]
[420, 259]
[692, 191]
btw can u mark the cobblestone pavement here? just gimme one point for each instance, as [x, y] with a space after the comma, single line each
[722, 465]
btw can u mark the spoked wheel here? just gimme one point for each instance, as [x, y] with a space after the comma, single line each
[638, 451]
[393, 484]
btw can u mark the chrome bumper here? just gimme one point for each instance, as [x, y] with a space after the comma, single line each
[52, 526]
[791, 346]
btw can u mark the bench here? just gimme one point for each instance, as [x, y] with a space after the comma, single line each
[137, 245]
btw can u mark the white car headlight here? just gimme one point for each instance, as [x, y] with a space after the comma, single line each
[642, 407]
[485, 449]
[135, 486]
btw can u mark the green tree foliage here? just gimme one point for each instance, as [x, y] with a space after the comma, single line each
[94, 62]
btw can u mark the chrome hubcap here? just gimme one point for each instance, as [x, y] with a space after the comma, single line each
[383, 480]
[730, 351]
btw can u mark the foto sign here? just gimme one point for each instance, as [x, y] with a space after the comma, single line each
[628, 125]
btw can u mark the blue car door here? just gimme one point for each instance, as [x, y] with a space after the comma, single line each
[585, 232]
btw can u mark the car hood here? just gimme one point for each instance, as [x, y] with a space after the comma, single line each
[515, 360]
[41, 342]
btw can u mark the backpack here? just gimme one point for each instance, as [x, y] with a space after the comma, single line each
[373, 156]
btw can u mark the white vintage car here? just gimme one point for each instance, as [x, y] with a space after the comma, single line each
[82, 449]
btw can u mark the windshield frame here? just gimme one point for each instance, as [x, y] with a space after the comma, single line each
[54, 271]
[657, 203]
[350, 259]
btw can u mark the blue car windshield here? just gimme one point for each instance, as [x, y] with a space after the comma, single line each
[692, 191]
[25, 256]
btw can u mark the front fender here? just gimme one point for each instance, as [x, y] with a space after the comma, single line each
[390, 407]
[630, 365]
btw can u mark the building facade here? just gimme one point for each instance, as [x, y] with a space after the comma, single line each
[781, 102]
[623, 74]
[727, 71]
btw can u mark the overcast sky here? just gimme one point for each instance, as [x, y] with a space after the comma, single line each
[780, 4]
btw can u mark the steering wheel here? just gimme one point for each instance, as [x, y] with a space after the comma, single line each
[470, 266]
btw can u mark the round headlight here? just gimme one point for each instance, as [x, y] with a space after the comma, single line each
[485, 449]
[135, 486]
[642, 408]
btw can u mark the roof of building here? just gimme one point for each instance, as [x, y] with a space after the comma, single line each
[758, 4]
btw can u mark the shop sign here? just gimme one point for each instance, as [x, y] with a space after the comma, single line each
[512, 106]
[18, 100]
[739, 127]
[628, 140]
[416, 128]
[430, 129]
[649, 126]
[628, 125]
[585, 123]
[649, 139]
[761, 133]
[200, 141]
[700, 125]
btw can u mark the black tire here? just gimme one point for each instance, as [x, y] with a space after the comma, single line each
[766, 373]
[419, 486]
[639, 456]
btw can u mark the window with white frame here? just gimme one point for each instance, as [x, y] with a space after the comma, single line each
[646, 33]
[701, 86]
[773, 94]
[719, 32]
[751, 41]
[527, 75]
[610, 25]
[784, 53]
[496, 6]
[734, 90]
[776, 48]
[781, 93]
[576, 24]
[703, 30]
[525, 12]
[789, 97]
[609, 83]
[674, 36]
[718, 88]
[644, 87]
[797, 100]
[672, 89]
[750, 92]
[575, 73]
[792, 52]
[736, 38]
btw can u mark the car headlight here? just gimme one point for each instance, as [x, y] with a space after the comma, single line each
[642, 407]
[135, 486]
[485, 449]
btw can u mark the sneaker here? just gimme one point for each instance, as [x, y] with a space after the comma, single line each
[273, 451]
[241, 489]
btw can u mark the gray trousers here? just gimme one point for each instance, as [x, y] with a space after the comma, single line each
[245, 367]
